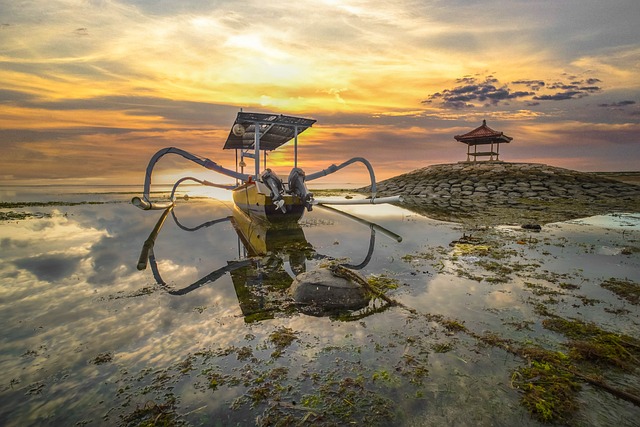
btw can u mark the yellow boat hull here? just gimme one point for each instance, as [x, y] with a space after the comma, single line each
[254, 199]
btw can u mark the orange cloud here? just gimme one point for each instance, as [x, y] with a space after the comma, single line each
[99, 86]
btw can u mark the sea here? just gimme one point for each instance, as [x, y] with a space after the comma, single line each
[116, 316]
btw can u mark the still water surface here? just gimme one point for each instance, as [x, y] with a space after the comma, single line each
[208, 333]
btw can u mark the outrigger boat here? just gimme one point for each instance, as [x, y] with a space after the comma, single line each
[263, 194]
[270, 258]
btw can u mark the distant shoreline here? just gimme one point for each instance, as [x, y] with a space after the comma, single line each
[629, 177]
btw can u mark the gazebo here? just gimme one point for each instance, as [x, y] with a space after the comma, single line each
[483, 135]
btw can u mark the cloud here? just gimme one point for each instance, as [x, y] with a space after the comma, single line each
[50, 267]
[561, 96]
[473, 91]
[81, 32]
[171, 111]
[97, 87]
[14, 96]
[574, 90]
[7, 244]
[619, 104]
[534, 85]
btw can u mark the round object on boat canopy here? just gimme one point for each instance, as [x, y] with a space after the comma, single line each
[238, 129]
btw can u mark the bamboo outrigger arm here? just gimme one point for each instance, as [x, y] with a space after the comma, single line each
[372, 200]
[368, 201]
[199, 181]
[146, 204]
[147, 247]
[333, 168]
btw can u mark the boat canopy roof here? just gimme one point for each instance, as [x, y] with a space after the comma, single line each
[274, 130]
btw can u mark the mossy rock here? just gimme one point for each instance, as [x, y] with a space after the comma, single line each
[327, 292]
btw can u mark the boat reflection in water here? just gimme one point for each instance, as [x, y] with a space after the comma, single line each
[271, 256]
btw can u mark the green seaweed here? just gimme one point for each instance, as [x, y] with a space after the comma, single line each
[549, 391]
[382, 283]
[588, 342]
[625, 289]
[19, 216]
[453, 325]
[348, 401]
[16, 205]
[153, 415]
[281, 339]
[102, 358]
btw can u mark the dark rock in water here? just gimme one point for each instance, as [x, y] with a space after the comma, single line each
[325, 291]
[532, 227]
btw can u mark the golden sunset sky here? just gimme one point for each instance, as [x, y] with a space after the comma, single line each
[92, 88]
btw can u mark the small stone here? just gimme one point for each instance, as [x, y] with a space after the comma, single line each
[532, 227]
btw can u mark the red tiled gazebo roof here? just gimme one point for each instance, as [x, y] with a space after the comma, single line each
[483, 135]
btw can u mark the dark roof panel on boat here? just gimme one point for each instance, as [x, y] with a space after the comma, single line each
[275, 130]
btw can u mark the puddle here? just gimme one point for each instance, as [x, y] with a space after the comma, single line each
[208, 332]
[619, 220]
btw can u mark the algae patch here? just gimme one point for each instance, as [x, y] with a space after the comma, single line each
[102, 358]
[281, 339]
[624, 289]
[19, 216]
[549, 391]
[551, 380]
[588, 342]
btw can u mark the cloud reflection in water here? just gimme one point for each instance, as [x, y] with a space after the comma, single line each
[71, 291]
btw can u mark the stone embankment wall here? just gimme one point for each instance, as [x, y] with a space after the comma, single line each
[468, 187]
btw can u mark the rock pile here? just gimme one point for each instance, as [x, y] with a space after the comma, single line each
[460, 189]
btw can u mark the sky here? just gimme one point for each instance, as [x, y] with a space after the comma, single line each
[91, 89]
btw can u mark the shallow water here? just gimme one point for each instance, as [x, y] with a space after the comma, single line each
[208, 335]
